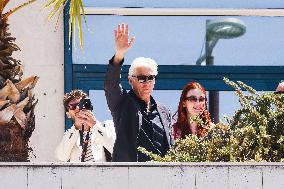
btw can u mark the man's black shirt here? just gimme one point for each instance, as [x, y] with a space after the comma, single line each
[152, 134]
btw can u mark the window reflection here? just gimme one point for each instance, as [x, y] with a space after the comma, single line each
[178, 40]
[228, 102]
[186, 3]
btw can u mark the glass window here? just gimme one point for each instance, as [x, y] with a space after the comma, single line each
[179, 40]
[229, 102]
[101, 111]
[186, 3]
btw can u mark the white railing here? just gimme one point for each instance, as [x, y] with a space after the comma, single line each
[142, 175]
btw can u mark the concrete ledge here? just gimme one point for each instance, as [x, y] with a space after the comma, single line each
[141, 175]
[138, 164]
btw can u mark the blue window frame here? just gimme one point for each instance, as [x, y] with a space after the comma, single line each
[86, 71]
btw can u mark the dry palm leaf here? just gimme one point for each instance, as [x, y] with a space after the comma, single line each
[16, 111]
[32, 80]
[21, 118]
[14, 94]
[10, 92]
[4, 66]
[3, 3]
[23, 103]
[7, 114]
[30, 122]
[4, 92]
[3, 103]
[15, 126]
[6, 52]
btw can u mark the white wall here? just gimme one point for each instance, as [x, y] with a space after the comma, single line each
[148, 176]
[42, 54]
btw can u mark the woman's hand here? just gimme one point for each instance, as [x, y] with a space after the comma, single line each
[86, 118]
[280, 87]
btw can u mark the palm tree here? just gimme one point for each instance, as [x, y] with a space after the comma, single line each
[17, 102]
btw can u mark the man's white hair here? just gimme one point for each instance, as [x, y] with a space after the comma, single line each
[144, 63]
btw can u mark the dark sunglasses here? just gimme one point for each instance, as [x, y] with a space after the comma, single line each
[195, 99]
[73, 106]
[144, 78]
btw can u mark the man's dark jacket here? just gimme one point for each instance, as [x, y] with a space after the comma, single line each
[127, 116]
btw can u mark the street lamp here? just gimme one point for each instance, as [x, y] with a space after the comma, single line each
[218, 29]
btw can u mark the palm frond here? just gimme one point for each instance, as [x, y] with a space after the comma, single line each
[49, 3]
[75, 11]
[3, 3]
[7, 14]
[58, 6]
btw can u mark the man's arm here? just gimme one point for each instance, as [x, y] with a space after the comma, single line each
[112, 87]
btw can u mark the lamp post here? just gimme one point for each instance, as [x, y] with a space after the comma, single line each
[218, 29]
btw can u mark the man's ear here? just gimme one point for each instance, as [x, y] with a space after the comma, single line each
[130, 81]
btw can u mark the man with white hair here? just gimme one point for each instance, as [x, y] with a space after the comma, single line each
[139, 120]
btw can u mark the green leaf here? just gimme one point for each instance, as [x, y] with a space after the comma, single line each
[75, 20]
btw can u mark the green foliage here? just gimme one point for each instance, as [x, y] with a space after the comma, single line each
[254, 133]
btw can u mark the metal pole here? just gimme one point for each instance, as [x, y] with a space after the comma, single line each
[213, 96]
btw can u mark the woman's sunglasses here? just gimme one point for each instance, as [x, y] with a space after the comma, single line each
[73, 106]
[195, 99]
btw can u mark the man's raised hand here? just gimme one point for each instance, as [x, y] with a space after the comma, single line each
[122, 41]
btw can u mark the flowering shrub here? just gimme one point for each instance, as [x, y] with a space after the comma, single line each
[254, 133]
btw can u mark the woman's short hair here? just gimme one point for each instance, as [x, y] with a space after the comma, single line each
[144, 63]
[73, 95]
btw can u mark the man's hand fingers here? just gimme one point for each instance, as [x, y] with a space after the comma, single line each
[85, 113]
[126, 30]
[88, 124]
[123, 28]
[118, 28]
[86, 116]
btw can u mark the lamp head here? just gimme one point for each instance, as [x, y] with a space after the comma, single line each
[220, 29]
[225, 28]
